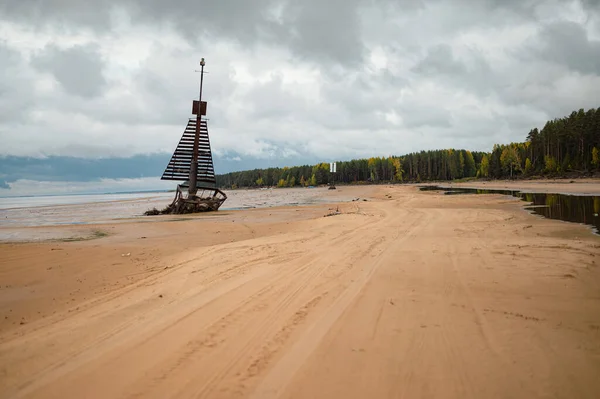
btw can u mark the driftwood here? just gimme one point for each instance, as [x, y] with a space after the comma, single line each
[192, 203]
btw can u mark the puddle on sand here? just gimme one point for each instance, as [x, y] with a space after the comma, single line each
[570, 208]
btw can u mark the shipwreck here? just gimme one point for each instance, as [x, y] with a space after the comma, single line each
[192, 164]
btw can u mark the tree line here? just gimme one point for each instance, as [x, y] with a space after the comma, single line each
[569, 144]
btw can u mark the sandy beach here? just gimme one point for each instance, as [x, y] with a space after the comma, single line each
[409, 294]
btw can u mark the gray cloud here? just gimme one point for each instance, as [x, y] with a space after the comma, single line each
[440, 61]
[471, 72]
[69, 13]
[15, 86]
[322, 31]
[567, 43]
[78, 69]
[420, 116]
[270, 100]
[314, 30]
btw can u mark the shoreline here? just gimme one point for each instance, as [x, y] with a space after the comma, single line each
[577, 187]
[85, 230]
[61, 225]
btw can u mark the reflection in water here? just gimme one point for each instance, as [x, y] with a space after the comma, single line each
[571, 208]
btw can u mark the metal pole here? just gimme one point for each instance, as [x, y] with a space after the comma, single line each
[194, 165]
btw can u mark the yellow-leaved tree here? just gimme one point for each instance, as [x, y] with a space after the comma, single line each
[302, 181]
[398, 172]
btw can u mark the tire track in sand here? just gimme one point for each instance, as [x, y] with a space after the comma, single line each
[244, 318]
[280, 375]
[113, 344]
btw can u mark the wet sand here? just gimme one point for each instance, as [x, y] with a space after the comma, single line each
[86, 219]
[410, 294]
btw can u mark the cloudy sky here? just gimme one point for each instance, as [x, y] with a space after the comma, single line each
[290, 82]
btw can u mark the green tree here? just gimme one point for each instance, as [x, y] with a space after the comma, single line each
[461, 164]
[302, 181]
[398, 172]
[260, 182]
[484, 168]
[566, 163]
[469, 169]
[510, 159]
[321, 173]
[372, 163]
[452, 164]
[292, 182]
[595, 158]
[551, 164]
[495, 169]
[313, 180]
[528, 166]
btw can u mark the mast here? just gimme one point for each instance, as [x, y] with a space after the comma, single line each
[192, 189]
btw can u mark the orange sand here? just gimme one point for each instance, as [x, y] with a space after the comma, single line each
[411, 294]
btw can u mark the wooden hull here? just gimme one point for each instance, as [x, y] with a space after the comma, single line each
[193, 204]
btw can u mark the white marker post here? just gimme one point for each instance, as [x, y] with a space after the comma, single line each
[332, 171]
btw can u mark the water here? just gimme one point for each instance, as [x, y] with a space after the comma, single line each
[76, 209]
[583, 209]
[73, 199]
[16, 212]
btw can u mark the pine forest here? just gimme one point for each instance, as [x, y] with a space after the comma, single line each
[565, 146]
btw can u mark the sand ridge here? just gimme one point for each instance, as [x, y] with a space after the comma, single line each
[410, 294]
